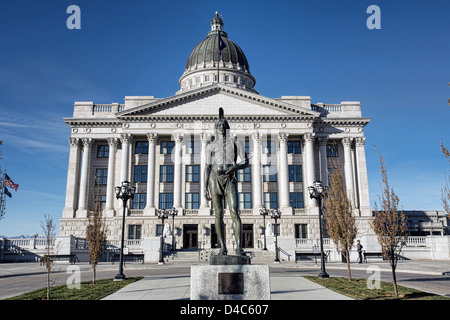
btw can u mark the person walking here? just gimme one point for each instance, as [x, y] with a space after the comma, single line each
[359, 250]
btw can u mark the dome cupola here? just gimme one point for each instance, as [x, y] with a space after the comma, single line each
[205, 62]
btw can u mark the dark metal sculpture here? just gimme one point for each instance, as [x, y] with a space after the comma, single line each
[220, 179]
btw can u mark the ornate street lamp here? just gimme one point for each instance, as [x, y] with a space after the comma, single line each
[163, 214]
[124, 192]
[276, 214]
[173, 213]
[264, 213]
[318, 191]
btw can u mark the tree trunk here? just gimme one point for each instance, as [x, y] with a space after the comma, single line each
[394, 277]
[347, 257]
[93, 274]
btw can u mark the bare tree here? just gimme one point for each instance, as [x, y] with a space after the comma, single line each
[339, 216]
[48, 227]
[95, 233]
[389, 223]
[445, 192]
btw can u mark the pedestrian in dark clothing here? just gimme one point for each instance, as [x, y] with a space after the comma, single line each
[359, 250]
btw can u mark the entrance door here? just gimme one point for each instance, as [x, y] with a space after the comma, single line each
[247, 234]
[190, 236]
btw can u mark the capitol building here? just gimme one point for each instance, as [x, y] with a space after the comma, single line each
[158, 144]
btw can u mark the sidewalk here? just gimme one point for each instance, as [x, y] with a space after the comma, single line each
[178, 288]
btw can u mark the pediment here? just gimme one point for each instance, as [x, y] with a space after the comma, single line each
[205, 102]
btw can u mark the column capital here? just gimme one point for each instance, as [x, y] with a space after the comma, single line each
[177, 137]
[360, 141]
[257, 136]
[126, 137]
[323, 141]
[347, 141]
[283, 136]
[308, 137]
[112, 142]
[74, 142]
[205, 137]
[152, 137]
[87, 142]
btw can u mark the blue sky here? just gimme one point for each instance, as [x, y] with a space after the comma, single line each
[321, 49]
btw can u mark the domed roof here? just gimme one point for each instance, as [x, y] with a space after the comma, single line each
[207, 51]
[205, 66]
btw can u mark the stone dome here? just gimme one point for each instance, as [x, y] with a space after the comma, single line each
[202, 64]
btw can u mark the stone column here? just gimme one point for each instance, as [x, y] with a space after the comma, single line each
[177, 170]
[73, 179]
[84, 183]
[127, 140]
[204, 206]
[348, 171]
[256, 173]
[110, 194]
[323, 161]
[150, 206]
[283, 175]
[310, 167]
[363, 182]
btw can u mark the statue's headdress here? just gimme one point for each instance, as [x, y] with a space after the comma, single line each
[221, 119]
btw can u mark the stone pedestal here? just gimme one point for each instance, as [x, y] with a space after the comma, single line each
[230, 282]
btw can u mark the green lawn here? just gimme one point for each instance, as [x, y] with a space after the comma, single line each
[87, 291]
[357, 289]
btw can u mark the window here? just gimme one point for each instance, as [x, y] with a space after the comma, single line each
[141, 147]
[102, 200]
[296, 200]
[294, 147]
[267, 147]
[197, 79]
[270, 200]
[192, 201]
[101, 176]
[247, 145]
[301, 231]
[245, 200]
[140, 174]
[295, 173]
[244, 175]
[134, 231]
[193, 173]
[207, 78]
[166, 173]
[227, 78]
[102, 151]
[165, 200]
[331, 151]
[159, 230]
[139, 200]
[269, 173]
[192, 147]
[167, 147]
[235, 79]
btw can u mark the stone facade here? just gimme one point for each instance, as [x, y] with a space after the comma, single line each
[159, 146]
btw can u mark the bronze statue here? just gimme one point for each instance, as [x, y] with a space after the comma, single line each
[220, 179]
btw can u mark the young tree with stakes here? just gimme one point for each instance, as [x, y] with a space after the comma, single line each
[340, 220]
[95, 233]
[48, 227]
[389, 223]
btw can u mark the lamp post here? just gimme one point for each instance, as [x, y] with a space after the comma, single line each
[162, 214]
[276, 214]
[318, 191]
[264, 213]
[124, 192]
[173, 213]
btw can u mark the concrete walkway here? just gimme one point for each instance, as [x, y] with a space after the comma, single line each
[178, 288]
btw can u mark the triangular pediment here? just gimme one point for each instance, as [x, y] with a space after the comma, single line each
[205, 102]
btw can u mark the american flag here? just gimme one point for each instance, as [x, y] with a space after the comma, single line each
[8, 182]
